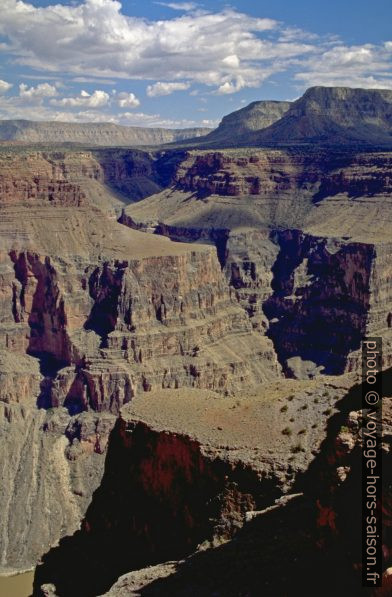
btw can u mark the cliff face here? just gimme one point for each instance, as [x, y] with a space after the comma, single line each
[321, 297]
[272, 172]
[312, 280]
[96, 134]
[105, 178]
[91, 315]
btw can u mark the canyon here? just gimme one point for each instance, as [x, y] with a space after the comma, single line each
[180, 353]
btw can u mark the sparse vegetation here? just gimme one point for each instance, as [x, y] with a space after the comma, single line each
[284, 408]
[296, 449]
[287, 431]
[328, 411]
[302, 432]
[316, 400]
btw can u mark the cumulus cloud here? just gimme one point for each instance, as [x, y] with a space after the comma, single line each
[127, 100]
[4, 86]
[97, 99]
[38, 93]
[160, 88]
[368, 66]
[97, 39]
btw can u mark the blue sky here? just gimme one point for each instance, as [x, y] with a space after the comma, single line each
[179, 64]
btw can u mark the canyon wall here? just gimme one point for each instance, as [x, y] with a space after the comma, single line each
[94, 315]
[105, 178]
[314, 288]
[91, 315]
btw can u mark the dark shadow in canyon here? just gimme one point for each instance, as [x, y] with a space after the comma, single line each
[104, 287]
[132, 523]
[217, 236]
[315, 312]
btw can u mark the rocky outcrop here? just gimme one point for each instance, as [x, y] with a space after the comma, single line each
[315, 530]
[92, 133]
[254, 117]
[176, 479]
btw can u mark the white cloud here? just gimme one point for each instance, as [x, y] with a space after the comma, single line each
[231, 86]
[368, 66]
[37, 94]
[127, 100]
[97, 99]
[93, 80]
[185, 6]
[4, 86]
[160, 88]
[95, 38]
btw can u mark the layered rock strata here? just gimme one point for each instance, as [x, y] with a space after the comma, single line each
[91, 315]
[274, 215]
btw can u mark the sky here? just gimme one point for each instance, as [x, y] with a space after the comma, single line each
[182, 64]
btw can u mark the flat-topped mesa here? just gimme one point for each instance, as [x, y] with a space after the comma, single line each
[334, 115]
[92, 133]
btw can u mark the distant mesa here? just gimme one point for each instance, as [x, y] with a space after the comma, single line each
[337, 115]
[323, 115]
[106, 134]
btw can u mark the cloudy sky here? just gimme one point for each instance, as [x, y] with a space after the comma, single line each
[178, 64]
